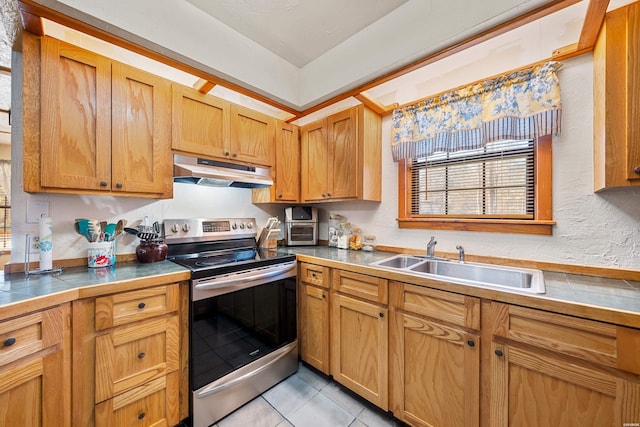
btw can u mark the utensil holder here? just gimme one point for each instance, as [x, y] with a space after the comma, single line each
[101, 254]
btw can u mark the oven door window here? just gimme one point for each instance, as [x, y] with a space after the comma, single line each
[302, 233]
[232, 330]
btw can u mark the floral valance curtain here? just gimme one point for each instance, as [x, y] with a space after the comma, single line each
[522, 105]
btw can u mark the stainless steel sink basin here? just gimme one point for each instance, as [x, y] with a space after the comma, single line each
[399, 261]
[475, 274]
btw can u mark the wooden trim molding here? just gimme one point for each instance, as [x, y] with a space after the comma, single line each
[593, 21]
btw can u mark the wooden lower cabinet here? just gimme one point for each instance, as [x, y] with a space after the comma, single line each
[359, 347]
[416, 351]
[128, 358]
[35, 377]
[434, 369]
[549, 369]
[314, 327]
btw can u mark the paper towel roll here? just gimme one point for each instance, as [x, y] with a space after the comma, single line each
[46, 244]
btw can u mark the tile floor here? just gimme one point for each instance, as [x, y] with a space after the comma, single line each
[308, 399]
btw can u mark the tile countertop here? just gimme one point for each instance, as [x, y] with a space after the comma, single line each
[46, 290]
[597, 298]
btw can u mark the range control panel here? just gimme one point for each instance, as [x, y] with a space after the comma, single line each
[204, 230]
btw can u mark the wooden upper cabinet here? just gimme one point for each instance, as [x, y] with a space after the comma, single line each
[104, 126]
[616, 60]
[286, 170]
[141, 131]
[75, 150]
[200, 123]
[252, 136]
[314, 164]
[341, 157]
[206, 126]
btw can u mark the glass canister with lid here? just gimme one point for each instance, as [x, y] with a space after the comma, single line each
[343, 235]
[369, 243]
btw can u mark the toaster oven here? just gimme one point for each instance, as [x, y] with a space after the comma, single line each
[301, 226]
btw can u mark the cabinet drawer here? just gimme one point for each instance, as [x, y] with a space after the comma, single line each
[29, 334]
[315, 275]
[360, 285]
[127, 307]
[599, 342]
[153, 404]
[456, 309]
[129, 356]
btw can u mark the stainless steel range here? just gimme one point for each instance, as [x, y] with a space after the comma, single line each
[243, 337]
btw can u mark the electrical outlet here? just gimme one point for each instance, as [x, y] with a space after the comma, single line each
[34, 246]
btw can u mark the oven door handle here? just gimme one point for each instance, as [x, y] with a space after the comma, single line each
[244, 279]
[276, 356]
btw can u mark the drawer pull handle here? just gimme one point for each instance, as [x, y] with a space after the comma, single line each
[9, 342]
[470, 343]
[141, 305]
[499, 353]
[141, 355]
[141, 415]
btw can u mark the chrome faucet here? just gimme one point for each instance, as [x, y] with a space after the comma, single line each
[460, 252]
[431, 245]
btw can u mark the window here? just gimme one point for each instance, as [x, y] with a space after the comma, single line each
[5, 222]
[503, 187]
[496, 181]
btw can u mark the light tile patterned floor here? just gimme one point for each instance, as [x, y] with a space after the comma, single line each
[308, 399]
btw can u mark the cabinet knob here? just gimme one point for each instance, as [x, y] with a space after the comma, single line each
[141, 305]
[637, 170]
[234, 155]
[323, 296]
[119, 185]
[141, 355]
[499, 353]
[471, 343]
[328, 194]
[381, 314]
[141, 415]
[324, 195]
[103, 183]
[226, 153]
[279, 196]
[9, 342]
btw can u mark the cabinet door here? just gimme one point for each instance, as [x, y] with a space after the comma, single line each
[314, 327]
[30, 392]
[141, 132]
[287, 176]
[75, 118]
[344, 164]
[252, 136]
[531, 388]
[359, 345]
[435, 372]
[314, 162]
[200, 123]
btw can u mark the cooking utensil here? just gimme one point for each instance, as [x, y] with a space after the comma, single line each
[147, 235]
[130, 230]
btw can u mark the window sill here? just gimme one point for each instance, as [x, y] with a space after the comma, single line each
[542, 227]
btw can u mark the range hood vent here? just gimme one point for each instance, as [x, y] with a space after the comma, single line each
[197, 170]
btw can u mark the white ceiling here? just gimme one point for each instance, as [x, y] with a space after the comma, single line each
[295, 52]
[298, 31]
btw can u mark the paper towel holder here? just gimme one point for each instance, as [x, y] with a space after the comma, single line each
[27, 261]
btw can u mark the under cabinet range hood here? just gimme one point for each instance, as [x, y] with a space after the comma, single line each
[197, 170]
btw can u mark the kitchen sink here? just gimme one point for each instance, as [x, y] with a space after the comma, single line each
[475, 274]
